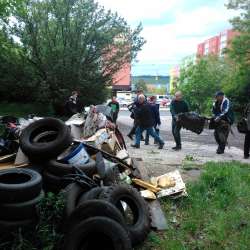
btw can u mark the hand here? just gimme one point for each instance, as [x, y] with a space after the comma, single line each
[176, 117]
[217, 119]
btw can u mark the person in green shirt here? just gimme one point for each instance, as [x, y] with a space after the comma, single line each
[115, 107]
[177, 106]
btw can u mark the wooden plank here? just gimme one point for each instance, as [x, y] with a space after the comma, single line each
[159, 221]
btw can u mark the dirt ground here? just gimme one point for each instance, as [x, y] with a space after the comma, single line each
[197, 150]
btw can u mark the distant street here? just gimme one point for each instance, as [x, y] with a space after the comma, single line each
[236, 139]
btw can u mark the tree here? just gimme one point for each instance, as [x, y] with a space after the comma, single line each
[141, 84]
[239, 53]
[200, 80]
[74, 45]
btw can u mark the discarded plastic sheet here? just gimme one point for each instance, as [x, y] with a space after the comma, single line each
[179, 188]
[76, 119]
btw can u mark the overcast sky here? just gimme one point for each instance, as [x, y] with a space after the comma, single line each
[172, 28]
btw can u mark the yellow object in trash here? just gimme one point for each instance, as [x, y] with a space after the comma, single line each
[147, 194]
[166, 182]
[146, 185]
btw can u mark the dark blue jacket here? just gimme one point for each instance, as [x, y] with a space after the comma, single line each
[156, 114]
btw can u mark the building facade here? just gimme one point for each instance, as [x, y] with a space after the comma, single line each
[122, 79]
[216, 45]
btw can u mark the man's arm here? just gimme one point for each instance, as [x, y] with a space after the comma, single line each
[172, 109]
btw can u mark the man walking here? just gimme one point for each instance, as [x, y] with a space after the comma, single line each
[224, 118]
[144, 117]
[132, 107]
[156, 117]
[177, 106]
[115, 107]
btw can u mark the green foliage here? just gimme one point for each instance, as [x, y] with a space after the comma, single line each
[45, 235]
[141, 84]
[216, 213]
[240, 53]
[63, 45]
[200, 80]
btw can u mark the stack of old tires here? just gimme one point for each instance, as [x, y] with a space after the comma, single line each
[114, 217]
[42, 141]
[20, 194]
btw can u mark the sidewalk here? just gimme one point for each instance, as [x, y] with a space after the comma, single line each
[159, 162]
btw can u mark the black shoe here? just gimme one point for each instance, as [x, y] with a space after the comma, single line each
[219, 151]
[146, 143]
[177, 148]
[246, 156]
[161, 145]
[130, 137]
[142, 138]
[155, 142]
[135, 146]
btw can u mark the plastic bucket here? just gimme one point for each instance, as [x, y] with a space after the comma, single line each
[77, 157]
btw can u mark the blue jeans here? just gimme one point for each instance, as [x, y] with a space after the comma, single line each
[150, 131]
[157, 131]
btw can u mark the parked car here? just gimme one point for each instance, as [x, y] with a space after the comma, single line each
[163, 100]
[123, 102]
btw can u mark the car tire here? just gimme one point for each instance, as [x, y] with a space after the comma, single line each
[20, 211]
[92, 194]
[53, 146]
[93, 208]
[97, 233]
[7, 227]
[19, 185]
[140, 227]
[60, 169]
[71, 195]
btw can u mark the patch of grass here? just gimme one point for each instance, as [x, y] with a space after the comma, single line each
[22, 110]
[216, 214]
[45, 235]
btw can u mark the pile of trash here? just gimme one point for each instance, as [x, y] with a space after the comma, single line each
[84, 159]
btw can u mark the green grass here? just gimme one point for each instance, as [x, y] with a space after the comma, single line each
[22, 110]
[216, 215]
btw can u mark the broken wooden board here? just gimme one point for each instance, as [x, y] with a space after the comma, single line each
[159, 221]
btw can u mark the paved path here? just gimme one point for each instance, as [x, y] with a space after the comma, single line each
[199, 148]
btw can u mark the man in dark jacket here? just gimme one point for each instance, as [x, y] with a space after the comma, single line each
[73, 105]
[132, 107]
[224, 118]
[177, 106]
[145, 120]
[156, 117]
[247, 137]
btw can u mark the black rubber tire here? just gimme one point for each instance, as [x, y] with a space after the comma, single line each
[20, 211]
[19, 185]
[140, 227]
[97, 233]
[71, 195]
[61, 169]
[52, 182]
[92, 194]
[10, 226]
[93, 208]
[45, 150]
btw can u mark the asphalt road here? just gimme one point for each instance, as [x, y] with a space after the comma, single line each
[235, 139]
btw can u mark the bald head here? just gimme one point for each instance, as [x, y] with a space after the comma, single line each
[178, 96]
[141, 99]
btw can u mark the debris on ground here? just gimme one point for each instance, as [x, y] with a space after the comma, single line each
[86, 160]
